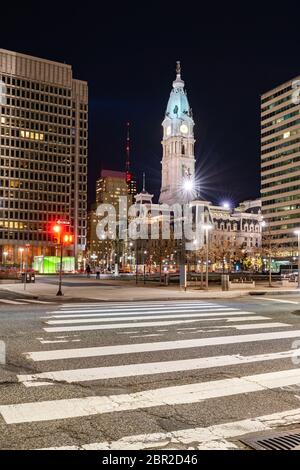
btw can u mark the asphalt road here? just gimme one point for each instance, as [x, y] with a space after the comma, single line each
[148, 375]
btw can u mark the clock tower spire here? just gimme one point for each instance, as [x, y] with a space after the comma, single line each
[178, 161]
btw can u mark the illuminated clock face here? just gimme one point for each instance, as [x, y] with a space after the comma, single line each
[184, 128]
[168, 130]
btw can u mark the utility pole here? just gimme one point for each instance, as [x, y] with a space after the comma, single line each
[206, 227]
[297, 232]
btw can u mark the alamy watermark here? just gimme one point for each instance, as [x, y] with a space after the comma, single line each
[150, 221]
[3, 93]
[296, 92]
[296, 353]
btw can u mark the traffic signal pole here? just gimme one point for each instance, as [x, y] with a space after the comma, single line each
[62, 237]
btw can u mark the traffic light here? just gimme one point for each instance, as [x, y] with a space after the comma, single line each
[57, 232]
[68, 238]
[60, 234]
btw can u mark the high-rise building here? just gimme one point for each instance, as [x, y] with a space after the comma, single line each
[178, 162]
[109, 188]
[280, 167]
[43, 154]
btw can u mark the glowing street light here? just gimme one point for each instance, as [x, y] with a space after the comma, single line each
[226, 205]
[188, 191]
[188, 185]
[5, 254]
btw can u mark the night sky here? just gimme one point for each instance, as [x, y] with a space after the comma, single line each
[127, 53]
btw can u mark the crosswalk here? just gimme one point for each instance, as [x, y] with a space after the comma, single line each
[23, 301]
[132, 364]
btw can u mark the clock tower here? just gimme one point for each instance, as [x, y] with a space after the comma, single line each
[178, 161]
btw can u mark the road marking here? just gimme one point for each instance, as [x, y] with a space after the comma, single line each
[60, 341]
[12, 302]
[252, 318]
[143, 317]
[258, 326]
[146, 309]
[278, 300]
[138, 304]
[57, 329]
[209, 436]
[152, 368]
[178, 395]
[113, 316]
[31, 301]
[158, 346]
[141, 324]
[146, 336]
[37, 384]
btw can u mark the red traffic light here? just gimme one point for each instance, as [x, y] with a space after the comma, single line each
[56, 228]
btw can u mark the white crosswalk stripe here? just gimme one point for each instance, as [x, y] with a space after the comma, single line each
[205, 436]
[32, 301]
[199, 316]
[11, 302]
[178, 395]
[22, 301]
[99, 373]
[158, 346]
[125, 311]
[147, 352]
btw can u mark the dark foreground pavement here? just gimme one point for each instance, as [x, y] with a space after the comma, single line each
[148, 375]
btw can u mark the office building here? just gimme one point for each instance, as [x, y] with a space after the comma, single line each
[43, 155]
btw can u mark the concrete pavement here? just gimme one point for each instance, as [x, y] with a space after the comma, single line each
[75, 288]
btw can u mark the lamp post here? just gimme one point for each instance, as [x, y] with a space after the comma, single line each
[206, 227]
[61, 238]
[21, 250]
[26, 264]
[5, 254]
[94, 257]
[297, 232]
[264, 224]
[131, 256]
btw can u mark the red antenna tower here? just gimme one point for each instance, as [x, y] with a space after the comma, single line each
[128, 148]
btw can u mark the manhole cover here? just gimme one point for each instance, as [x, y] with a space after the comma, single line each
[284, 440]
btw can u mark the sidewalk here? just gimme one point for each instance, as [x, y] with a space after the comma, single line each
[112, 291]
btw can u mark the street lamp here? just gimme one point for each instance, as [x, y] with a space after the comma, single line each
[144, 267]
[62, 238]
[226, 205]
[188, 190]
[21, 250]
[94, 257]
[206, 227]
[26, 264]
[264, 224]
[5, 254]
[297, 232]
